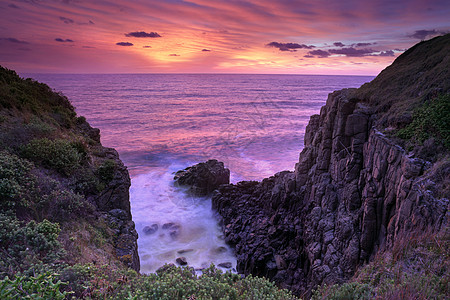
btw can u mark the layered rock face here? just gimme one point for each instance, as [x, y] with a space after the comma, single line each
[114, 203]
[353, 193]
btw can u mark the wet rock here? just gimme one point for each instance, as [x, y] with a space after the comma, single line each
[203, 178]
[182, 261]
[226, 265]
[173, 228]
[220, 249]
[184, 251]
[150, 229]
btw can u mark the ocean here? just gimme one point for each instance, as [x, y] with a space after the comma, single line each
[161, 123]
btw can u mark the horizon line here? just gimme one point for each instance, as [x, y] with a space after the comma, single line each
[193, 73]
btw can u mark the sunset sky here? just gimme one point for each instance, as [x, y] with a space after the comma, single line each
[207, 36]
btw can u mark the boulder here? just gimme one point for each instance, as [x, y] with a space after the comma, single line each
[203, 178]
[182, 261]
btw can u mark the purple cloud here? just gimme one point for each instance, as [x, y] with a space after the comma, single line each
[13, 5]
[13, 40]
[289, 46]
[142, 34]
[173, 55]
[362, 44]
[319, 53]
[338, 44]
[352, 52]
[423, 34]
[126, 44]
[64, 40]
[67, 20]
[206, 50]
[146, 46]
[308, 56]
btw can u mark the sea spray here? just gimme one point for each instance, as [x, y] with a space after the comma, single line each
[172, 224]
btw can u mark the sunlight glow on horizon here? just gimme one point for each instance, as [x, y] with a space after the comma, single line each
[203, 36]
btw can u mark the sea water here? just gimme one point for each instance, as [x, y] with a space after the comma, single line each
[161, 123]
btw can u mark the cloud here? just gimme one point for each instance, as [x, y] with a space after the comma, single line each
[64, 40]
[13, 40]
[173, 55]
[206, 50]
[142, 34]
[146, 46]
[308, 56]
[124, 44]
[362, 44]
[67, 20]
[423, 34]
[387, 53]
[13, 5]
[319, 53]
[88, 47]
[289, 46]
[352, 52]
[338, 44]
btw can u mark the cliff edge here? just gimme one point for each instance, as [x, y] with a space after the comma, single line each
[355, 190]
[64, 197]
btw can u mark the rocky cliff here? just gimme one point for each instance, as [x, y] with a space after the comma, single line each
[354, 190]
[53, 168]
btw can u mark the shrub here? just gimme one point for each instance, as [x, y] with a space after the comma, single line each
[431, 120]
[27, 247]
[41, 286]
[173, 282]
[58, 154]
[15, 179]
[64, 204]
[106, 170]
[346, 291]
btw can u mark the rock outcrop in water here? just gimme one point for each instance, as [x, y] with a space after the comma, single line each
[353, 193]
[203, 178]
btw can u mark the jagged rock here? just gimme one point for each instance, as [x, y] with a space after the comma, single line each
[203, 178]
[226, 265]
[182, 261]
[125, 239]
[352, 194]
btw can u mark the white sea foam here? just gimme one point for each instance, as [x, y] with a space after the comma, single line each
[197, 235]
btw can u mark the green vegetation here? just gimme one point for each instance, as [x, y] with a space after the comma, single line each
[15, 180]
[27, 248]
[58, 154]
[36, 287]
[431, 120]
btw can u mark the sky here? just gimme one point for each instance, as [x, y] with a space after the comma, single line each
[343, 37]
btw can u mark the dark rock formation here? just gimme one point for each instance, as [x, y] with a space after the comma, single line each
[182, 261]
[353, 193]
[150, 229]
[203, 178]
[125, 239]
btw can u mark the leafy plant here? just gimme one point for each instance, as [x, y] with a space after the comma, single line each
[15, 179]
[26, 247]
[42, 286]
[431, 120]
[57, 154]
